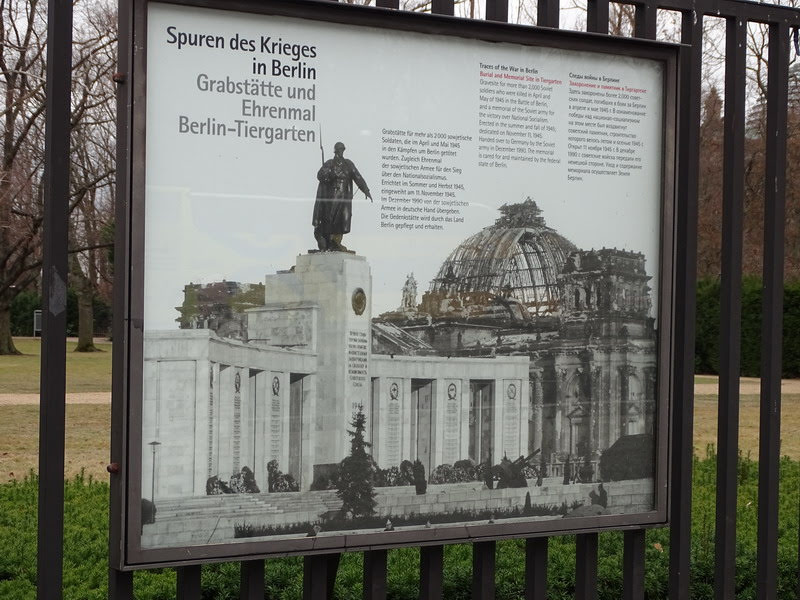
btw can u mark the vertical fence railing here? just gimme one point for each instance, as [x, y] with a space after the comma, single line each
[52, 413]
[772, 303]
[319, 571]
[731, 306]
[685, 283]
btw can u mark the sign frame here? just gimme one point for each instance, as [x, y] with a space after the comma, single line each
[126, 518]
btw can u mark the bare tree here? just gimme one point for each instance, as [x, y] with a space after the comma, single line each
[93, 167]
[23, 35]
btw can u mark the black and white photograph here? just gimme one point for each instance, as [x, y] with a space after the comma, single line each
[382, 294]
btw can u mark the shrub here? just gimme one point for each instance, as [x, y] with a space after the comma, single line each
[407, 472]
[420, 484]
[707, 340]
[355, 487]
[630, 457]
[278, 481]
[22, 307]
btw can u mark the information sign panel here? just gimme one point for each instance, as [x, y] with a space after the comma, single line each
[394, 278]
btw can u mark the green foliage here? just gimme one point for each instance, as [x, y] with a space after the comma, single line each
[25, 303]
[22, 308]
[85, 562]
[355, 487]
[707, 342]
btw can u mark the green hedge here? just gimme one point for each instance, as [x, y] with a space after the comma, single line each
[707, 343]
[86, 544]
[25, 303]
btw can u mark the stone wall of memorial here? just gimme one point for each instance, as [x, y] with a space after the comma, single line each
[216, 405]
[394, 429]
[632, 496]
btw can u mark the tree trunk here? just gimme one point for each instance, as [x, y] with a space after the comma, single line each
[85, 293]
[85, 322]
[6, 343]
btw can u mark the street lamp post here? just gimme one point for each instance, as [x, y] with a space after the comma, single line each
[153, 445]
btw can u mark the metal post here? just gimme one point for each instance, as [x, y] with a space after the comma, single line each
[251, 580]
[483, 563]
[685, 283]
[431, 559]
[633, 565]
[319, 576]
[188, 583]
[154, 446]
[536, 569]
[772, 303]
[375, 575]
[586, 566]
[54, 298]
[730, 307]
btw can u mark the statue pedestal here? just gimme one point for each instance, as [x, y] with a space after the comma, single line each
[324, 305]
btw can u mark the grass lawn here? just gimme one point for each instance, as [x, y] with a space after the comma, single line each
[87, 440]
[87, 508]
[88, 425]
[86, 371]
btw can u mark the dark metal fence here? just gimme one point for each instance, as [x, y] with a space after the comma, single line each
[320, 571]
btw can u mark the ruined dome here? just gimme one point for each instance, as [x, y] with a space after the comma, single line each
[517, 259]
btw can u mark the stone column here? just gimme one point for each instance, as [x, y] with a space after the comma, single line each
[595, 411]
[535, 414]
[465, 394]
[509, 399]
[225, 454]
[201, 426]
[339, 284]
[649, 399]
[561, 389]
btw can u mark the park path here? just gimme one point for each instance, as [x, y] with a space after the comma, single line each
[72, 398]
[749, 386]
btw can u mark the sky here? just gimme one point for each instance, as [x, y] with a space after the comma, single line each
[239, 208]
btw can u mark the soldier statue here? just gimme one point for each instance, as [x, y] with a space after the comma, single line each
[333, 208]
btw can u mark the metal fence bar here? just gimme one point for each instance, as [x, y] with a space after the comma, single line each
[375, 575]
[52, 411]
[497, 10]
[772, 310]
[756, 12]
[319, 576]
[645, 20]
[431, 561]
[251, 580]
[189, 583]
[633, 565]
[586, 566]
[443, 7]
[548, 13]
[685, 305]
[388, 4]
[483, 563]
[536, 568]
[597, 16]
[120, 584]
[730, 308]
